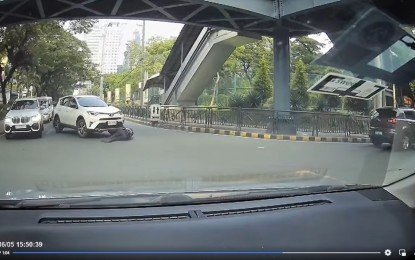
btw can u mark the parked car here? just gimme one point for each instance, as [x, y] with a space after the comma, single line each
[395, 126]
[24, 117]
[86, 114]
[46, 108]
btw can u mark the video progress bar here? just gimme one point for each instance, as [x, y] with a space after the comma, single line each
[186, 253]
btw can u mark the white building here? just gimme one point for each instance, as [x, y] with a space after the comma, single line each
[106, 44]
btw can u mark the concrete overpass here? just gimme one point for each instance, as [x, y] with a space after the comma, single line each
[185, 78]
[280, 19]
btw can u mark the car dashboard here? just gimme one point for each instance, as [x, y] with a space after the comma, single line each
[338, 225]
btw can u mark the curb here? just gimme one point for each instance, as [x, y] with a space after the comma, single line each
[256, 135]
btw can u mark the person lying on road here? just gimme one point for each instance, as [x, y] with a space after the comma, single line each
[121, 134]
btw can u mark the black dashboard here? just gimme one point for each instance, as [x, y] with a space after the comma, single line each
[362, 224]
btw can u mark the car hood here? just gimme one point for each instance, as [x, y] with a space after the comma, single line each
[109, 109]
[198, 186]
[25, 112]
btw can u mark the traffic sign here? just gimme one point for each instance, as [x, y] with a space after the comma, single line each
[342, 85]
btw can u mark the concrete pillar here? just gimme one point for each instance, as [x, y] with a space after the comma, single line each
[281, 91]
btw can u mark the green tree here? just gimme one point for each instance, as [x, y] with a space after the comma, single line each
[156, 52]
[245, 60]
[305, 48]
[326, 102]
[299, 94]
[262, 84]
[68, 62]
[22, 45]
[356, 105]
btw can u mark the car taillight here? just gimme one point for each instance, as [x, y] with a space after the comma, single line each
[392, 121]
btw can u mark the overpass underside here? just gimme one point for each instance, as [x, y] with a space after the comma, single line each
[207, 56]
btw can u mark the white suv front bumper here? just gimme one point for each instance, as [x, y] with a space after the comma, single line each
[31, 126]
[101, 122]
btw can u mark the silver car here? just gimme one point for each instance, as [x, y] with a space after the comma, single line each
[24, 117]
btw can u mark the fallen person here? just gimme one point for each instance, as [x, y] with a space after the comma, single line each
[121, 134]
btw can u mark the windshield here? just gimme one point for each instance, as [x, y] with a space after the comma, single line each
[91, 102]
[44, 103]
[25, 104]
[386, 113]
[225, 96]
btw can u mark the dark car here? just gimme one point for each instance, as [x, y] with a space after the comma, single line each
[394, 126]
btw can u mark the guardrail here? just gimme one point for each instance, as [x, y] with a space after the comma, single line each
[284, 122]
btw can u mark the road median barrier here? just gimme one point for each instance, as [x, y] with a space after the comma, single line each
[197, 129]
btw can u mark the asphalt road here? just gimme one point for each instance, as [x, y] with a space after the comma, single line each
[181, 159]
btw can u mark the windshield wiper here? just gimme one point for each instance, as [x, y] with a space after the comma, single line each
[140, 200]
[270, 193]
[98, 201]
[45, 203]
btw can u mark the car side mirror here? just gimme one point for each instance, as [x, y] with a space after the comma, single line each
[42, 107]
[73, 106]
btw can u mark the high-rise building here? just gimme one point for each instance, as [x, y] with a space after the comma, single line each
[105, 43]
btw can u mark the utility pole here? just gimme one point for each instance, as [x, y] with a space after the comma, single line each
[143, 82]
[101, 82]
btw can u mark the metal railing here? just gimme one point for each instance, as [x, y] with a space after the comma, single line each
[271, 121]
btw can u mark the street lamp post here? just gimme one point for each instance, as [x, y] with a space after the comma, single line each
[101, 82]
[143, 41]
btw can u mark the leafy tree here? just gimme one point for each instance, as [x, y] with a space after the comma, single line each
[326, 102]
[68, 61]
[263, 84]
[23, 46]
[299, 94]
[156, 52]
[356, 105]
[305, 48]
[246, 59]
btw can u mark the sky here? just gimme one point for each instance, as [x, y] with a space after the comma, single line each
[168, 30]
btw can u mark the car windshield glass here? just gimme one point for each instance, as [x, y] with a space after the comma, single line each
[91, 102]
[25, 104]
[205, 95]
[386, 113]
[43, 103]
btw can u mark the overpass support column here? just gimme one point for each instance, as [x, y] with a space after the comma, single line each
[281, 92]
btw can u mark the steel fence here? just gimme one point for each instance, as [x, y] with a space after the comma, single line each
[272, 121]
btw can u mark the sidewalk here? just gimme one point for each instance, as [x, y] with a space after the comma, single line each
[1, 126]
[257, 133]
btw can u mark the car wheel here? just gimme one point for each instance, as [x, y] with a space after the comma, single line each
[81, 128]
[8, 135]
[403, 144]
[57, 124]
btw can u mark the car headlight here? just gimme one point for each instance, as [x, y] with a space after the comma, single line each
[36, 118]
[8, 119]
[92, 113]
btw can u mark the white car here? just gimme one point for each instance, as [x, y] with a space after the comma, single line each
[86, 114]
[46, 108]
[24, 116]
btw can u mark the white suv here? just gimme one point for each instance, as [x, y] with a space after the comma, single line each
[86, 114]
[24, 116]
